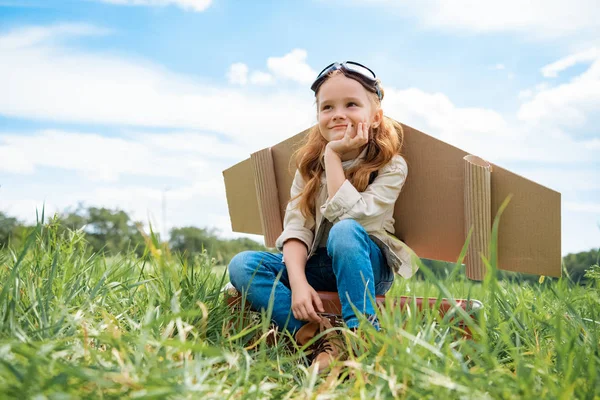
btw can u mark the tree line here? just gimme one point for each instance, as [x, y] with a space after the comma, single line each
[113, 231]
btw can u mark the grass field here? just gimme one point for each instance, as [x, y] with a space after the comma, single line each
[76, 325]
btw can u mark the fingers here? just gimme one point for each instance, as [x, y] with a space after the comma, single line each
[317, 302]
[311, 313]
[354, 138]
[297, 314]
[362, 134]
[349, 130]
[301, 312]
[306, 312]
[298, 311]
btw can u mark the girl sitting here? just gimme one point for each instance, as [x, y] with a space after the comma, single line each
[338, 224]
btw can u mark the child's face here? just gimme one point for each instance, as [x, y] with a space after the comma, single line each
[342, 101]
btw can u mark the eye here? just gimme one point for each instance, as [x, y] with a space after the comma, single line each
[351, 104]
[326, 107]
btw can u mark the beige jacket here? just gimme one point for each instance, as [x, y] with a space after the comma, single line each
[373, 209]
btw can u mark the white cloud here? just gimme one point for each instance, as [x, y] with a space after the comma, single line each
[292, 66]
[45, 81]
[586, 207]
[192, 162]
[499, 67]
[15, 160]
[525, 94]
[30, 36]
[552, 70]
[528, 93]
[593, 144]
[472, 129]
[539, 19]
[486, 133]
[106, 159]
[584, 179]
[569, 105]
[238, 74]
[192, 143]
[193, 5]
[261, 78]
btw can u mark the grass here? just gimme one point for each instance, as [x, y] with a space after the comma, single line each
[76, 325]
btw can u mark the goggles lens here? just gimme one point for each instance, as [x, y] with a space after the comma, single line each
[364, 72]
[360, 69]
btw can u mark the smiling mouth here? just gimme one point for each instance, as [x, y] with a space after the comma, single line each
[339, 126]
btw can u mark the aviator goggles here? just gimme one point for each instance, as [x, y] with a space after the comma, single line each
[364, 74]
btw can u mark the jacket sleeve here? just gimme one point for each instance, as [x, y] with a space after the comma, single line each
[376, 199]
[295, 225]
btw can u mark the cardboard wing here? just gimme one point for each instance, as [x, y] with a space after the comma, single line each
[447, 193]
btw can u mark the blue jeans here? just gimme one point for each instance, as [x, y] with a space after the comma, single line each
[350, 259]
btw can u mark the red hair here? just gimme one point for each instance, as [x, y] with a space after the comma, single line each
[386, 141]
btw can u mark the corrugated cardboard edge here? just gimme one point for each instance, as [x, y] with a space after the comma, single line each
[267, 195]
[478, 216]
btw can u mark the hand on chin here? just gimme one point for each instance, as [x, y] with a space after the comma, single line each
[349, 139]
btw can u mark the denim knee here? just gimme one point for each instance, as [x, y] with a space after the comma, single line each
[344, 234]
[240, 269]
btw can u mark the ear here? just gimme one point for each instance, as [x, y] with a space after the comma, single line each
[377, 118]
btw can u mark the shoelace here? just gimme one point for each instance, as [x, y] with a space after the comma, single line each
[325, 343]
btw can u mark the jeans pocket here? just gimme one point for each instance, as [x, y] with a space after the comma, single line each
[386, 281]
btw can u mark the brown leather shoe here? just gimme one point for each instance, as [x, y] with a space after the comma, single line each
[306, 332]
[327, 348]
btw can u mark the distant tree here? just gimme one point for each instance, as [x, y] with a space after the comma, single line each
[109, 231]
[12, 231]
[190, 240]
[577, 264]
[229, 248]
[7, 228]
[74, 219]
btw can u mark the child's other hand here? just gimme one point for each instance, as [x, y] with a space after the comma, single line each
[304, 301]
[353, 139]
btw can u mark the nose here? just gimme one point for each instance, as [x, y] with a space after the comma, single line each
[339, 115]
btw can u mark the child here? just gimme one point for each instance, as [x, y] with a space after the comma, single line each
[339, 220]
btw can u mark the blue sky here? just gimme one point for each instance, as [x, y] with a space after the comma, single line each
[120, 103]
